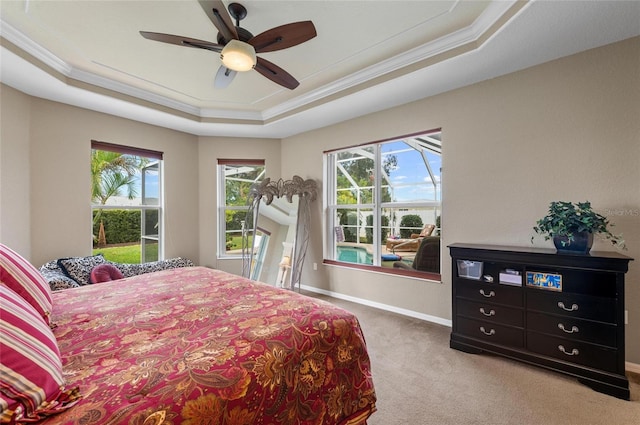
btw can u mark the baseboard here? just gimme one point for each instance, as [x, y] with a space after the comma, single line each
[630, 367]
[381, 306]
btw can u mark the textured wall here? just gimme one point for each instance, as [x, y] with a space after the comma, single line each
[564, 130]
[15, 196]
[57, 222]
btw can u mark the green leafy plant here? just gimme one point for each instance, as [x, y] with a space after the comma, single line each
[384, 228]
[410, 223]
[566, 219]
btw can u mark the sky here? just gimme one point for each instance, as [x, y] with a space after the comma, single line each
[152, 190]
[410, 175]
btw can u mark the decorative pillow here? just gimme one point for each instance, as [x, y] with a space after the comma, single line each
[129, 270]
[24, 279]
[105, 273]
[55, 277]
[31, 379]
[79, 268]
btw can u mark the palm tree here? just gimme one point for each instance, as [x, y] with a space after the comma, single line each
[110, 173]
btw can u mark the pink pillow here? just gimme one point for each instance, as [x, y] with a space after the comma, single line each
[19, 275]
[31, 379]
[105, 273]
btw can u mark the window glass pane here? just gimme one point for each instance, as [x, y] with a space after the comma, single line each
[125, 230]
[357, 227]
[151, 222]
[117, 179]
[356, 254]
[404, 222]
[151, 184]
[150, 238]
[127, 235]
[235, 220]
[411, 171]
[236, 180]
[355, 171]
[149, 250]
[407, 172]
[350, 221]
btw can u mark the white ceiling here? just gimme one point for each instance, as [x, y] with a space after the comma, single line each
[367, 56]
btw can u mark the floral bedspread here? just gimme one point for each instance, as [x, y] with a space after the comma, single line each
[201, 346]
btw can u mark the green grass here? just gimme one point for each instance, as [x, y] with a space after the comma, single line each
[236, 243]
[125, 254]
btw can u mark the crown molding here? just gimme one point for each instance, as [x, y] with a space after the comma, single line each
[17, 38]
[462, 37]
[447, 43]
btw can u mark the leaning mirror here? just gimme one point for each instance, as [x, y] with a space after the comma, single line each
[276, 232]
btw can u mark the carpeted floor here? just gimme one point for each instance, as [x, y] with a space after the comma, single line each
[420, 380]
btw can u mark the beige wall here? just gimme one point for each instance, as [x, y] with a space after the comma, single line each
[210, 149]
[57, 220]
[565, 130]
[15, 112]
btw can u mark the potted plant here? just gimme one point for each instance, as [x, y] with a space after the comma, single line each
[572, 227]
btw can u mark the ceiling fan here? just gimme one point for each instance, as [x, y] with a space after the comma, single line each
[238, 47]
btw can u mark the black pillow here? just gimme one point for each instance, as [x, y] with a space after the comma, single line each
[79, 268]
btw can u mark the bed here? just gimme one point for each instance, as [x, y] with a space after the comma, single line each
[196, 345]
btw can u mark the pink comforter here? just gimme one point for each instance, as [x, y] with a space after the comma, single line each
[201, 346]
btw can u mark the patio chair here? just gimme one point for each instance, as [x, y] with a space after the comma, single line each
[412, 243]
[427, 257]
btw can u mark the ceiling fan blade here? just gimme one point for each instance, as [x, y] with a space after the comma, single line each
[219, 17]
[284, 36]
[224, 77]
[276, 74]
[181, 41]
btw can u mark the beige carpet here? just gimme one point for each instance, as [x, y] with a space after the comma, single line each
[419, 380]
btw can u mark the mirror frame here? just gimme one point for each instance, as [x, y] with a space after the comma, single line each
[307, 192]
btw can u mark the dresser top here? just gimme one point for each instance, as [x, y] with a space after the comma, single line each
[535, 250]
[611, 260]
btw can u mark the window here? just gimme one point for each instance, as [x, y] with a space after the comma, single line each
[235, 177]
[126, 202]
[383, 204]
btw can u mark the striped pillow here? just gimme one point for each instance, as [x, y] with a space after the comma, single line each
[19, 275]
[31, 382]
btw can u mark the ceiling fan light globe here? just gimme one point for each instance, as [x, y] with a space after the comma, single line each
[238, 56]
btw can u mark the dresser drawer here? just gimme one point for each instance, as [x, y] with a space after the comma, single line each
[573, 329]
[491, 332]
[489, 312]
[582, 353]
[572, 305]
[494, 293]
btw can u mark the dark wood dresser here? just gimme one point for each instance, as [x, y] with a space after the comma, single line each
[564, 312]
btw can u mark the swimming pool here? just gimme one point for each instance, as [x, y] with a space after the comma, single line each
[361, 255]
[353, 254]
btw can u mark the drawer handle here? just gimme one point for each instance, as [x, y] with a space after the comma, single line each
[574, 329]
[489, 295]
[491, 312]
[573, 352]
[490, 333]
[574, 307]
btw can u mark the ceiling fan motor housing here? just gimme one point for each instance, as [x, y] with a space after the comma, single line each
[243, 35]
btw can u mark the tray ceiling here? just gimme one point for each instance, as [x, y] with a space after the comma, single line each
[367, 56]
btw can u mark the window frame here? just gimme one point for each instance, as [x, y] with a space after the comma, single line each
[221, 201]
[331, 205]
[158, 156]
